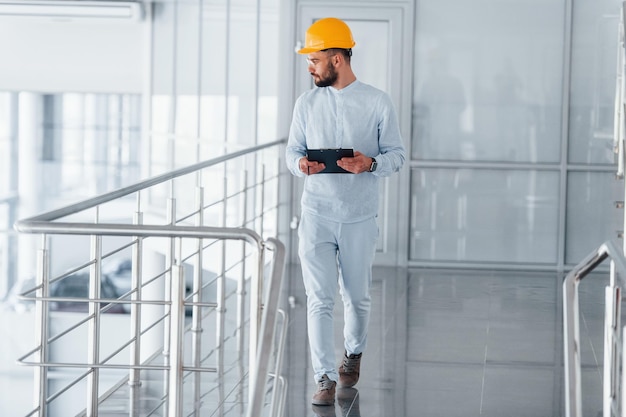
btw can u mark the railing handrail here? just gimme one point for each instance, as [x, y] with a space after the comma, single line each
[608, 249]
[268, 327]
[138, 230]
[53, 222]
[571, 327]
[23, 225]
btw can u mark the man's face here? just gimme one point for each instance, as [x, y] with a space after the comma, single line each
[321, 69]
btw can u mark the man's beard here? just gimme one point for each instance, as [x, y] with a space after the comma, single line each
[330, 78]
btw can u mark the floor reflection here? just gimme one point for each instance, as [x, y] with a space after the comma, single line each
[455, 343]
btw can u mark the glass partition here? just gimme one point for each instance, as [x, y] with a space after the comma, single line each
[489, 85]
[484, 215]
[488, 81]
[592, 216]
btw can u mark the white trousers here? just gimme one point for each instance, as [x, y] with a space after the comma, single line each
[334, 253]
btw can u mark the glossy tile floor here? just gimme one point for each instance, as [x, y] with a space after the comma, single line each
[457, 343]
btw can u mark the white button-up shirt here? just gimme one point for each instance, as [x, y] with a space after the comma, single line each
[360, 117]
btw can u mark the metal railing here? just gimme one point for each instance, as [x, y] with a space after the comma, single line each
[202, 272]
[613, 378]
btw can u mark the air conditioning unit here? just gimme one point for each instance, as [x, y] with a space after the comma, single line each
[72, 9]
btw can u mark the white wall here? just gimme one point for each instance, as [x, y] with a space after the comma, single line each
[39, 54]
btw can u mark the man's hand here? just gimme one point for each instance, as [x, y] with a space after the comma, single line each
[310, 167]
[359, 163]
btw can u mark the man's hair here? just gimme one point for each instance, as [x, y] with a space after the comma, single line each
[347, 53]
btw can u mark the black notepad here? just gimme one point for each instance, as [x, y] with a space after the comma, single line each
[330, 157]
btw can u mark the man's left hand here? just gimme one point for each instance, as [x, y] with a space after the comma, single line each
[357, 164]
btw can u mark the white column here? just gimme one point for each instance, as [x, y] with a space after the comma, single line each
[30, 181]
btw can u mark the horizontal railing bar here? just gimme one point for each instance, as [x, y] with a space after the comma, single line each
[100, 301]
[201, 304]
[120, 229]
[99, 366]
[595, 258]
[199, 369]
[122, 192]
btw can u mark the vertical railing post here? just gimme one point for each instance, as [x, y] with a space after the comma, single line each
[167, 321]
[278, 381]
[221, 307]
[196, 328]
[177, 312]
[622, 393]
[241, 291]
[134, 379]
[41, 324]
[258, 374]
[93, 334]
[610, 387]
[571, 338]
[256, 304]
[262, 201]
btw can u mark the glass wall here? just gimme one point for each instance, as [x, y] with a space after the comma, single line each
[488, 80]
[90, 143]
[8, 190]
[592, 217]
[487, 215]
[56, 149]
[214, 88]
[215, 85]
[489, 161]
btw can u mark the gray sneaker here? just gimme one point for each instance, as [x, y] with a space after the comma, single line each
[349, 370]
[325, 392]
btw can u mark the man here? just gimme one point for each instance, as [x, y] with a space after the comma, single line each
[338, 230]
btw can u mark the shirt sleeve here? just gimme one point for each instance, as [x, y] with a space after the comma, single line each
[296, 144]
[392, 152]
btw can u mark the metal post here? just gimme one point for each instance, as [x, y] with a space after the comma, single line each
[262, 202]
[611, 344]
[278, 381]
[41, 323]
[571, 338]
[221, 309]
[167, 322]
[93, 334]
[622, 394]
[241, 291]
[256, 294]
[134, 379]
[175, 403]
[196, 328]
[258, 374]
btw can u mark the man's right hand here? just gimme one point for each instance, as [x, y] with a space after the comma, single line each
[310, 167]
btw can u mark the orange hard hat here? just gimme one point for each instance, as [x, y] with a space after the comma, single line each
[327, 33]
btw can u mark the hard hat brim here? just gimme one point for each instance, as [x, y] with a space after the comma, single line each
[304, 51]
[311, 49]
